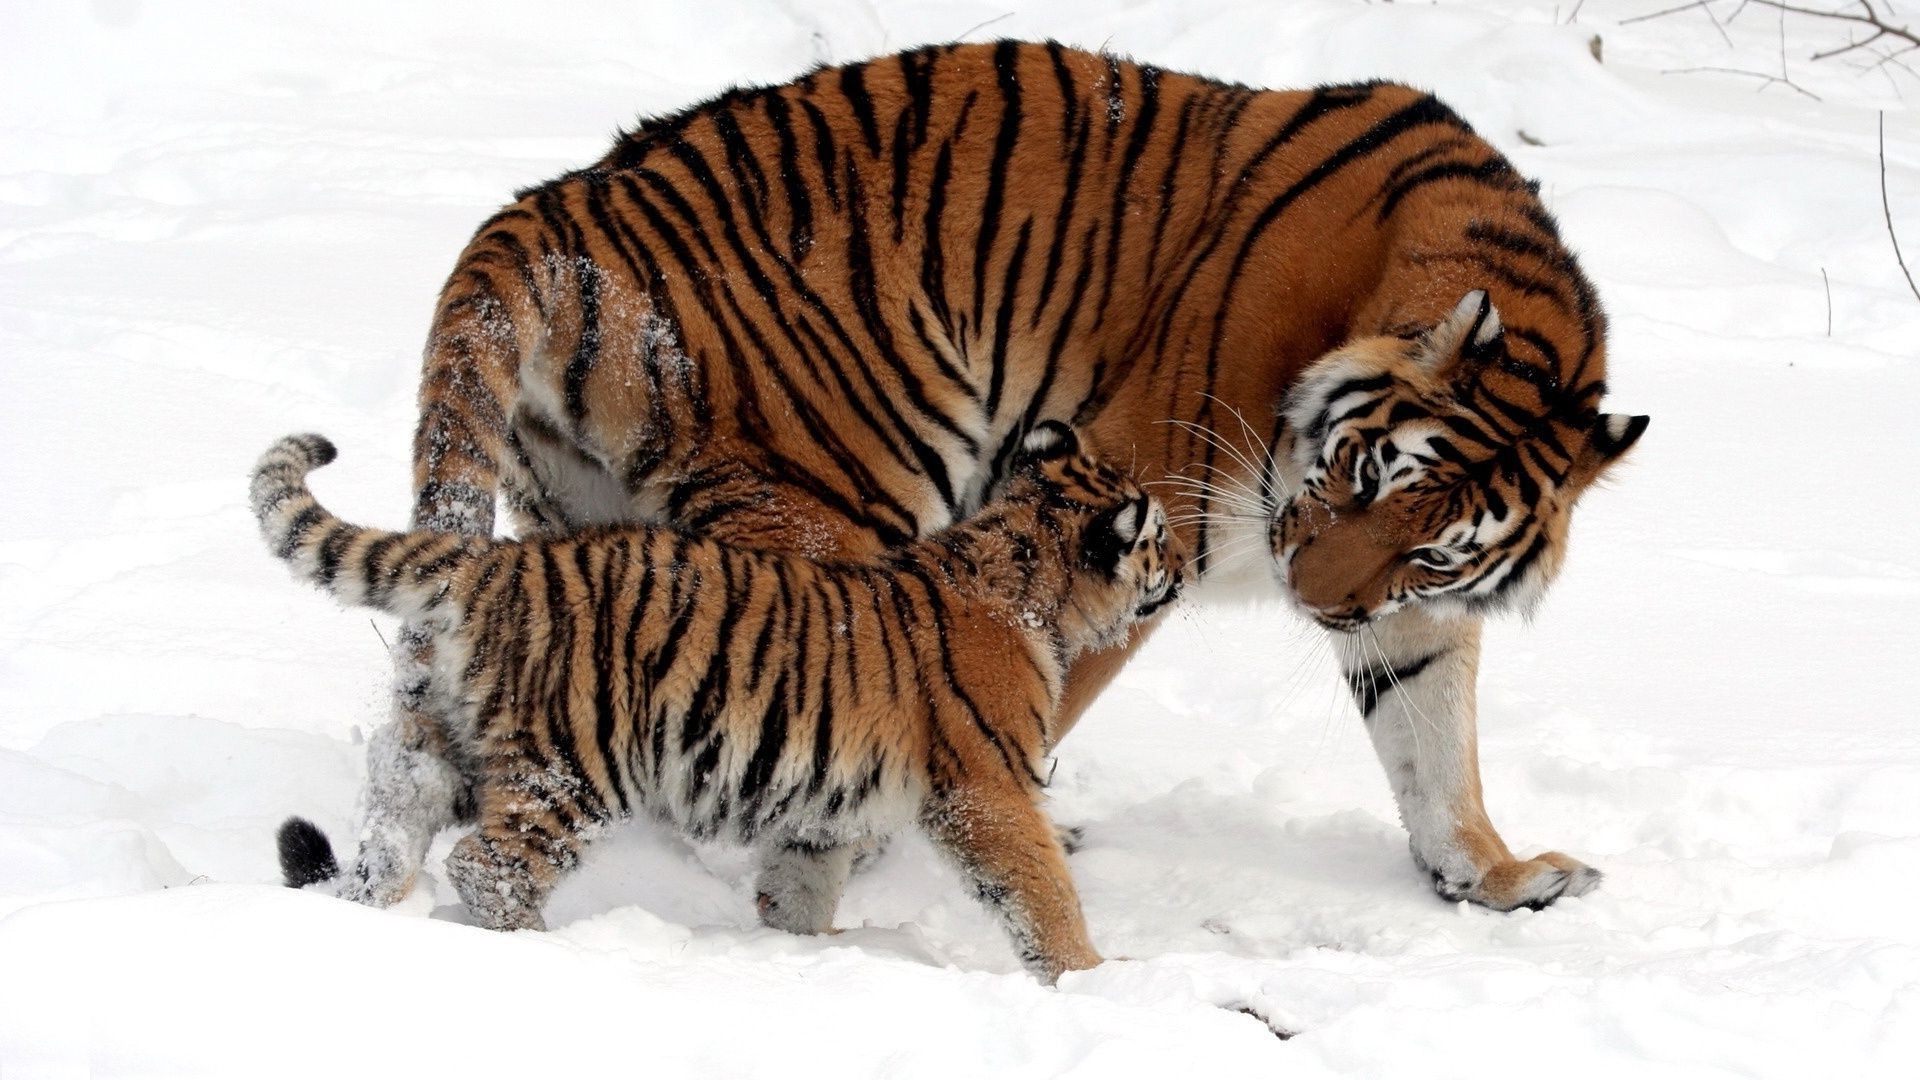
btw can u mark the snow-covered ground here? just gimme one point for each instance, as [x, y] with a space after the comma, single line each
[218, 226]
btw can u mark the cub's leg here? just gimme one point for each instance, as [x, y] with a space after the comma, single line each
[412, 789]
[503, 881]
[532, 827]
[418, 782]
[1413, 678]
[800, 884]
[1007, 849]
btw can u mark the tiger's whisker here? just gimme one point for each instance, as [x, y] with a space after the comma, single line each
[1218, 442]
[1253, 437]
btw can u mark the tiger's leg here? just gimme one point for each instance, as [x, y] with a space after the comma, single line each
[1412, 677]
[1007, 849]
[1086, 678]
[800, 884]
[1090, 674]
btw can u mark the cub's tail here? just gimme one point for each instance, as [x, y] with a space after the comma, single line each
[305, 855]
[413, 575]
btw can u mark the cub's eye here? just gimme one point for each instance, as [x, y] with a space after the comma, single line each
[1369, 480]
[1432, 557]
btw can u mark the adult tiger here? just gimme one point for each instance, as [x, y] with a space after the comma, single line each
[820, 316]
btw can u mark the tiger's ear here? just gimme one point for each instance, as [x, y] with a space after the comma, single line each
[1049, 440]
[1472, 331]
[1609, 437]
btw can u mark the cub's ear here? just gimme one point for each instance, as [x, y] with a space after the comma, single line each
[1609, 437]
[1614, 434]
[1048, 440]
[1471, 331]
[1128, 520]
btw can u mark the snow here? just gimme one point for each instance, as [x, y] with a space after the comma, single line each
[221, 225]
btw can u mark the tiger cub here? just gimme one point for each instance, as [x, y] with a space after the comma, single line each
[754, 695]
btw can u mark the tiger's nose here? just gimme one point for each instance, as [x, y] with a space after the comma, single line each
[1347, 617]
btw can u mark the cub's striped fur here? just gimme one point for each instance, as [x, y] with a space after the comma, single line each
[758, 696]
[821, 316]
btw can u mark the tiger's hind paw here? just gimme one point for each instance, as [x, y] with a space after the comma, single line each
[1533, 883]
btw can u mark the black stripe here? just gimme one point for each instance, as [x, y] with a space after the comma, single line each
[1370, 684]
[853, 85]
[1003, 323]
[825, 150]
[603, 599]
[1006, 57]
[799, 200]
[560, 657]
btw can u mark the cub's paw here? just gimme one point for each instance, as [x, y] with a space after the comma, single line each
[497, 888]
[1072, 837]
[372, 890]
[1533, 883]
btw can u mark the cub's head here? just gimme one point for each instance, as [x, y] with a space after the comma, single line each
[1123, 563]
[1438, 470]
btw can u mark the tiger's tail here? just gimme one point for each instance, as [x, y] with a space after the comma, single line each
[412, 575]
[490, 319]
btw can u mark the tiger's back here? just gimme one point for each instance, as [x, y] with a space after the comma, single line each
[839, 301]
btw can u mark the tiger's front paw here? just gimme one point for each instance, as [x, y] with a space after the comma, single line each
[799, 884]
[1532, 883]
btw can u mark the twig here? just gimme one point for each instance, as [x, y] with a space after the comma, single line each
[1783, 44]
[1871, 19]
[1829, 287]
[1892, 57]
[1770, 79]
[1849, 47]
[969, 31]
[1664, 13]
[1706, 8]
[1715, 20]
[1887, 208]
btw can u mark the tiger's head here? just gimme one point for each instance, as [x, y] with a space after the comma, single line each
[1123, 562]
[1436, 470]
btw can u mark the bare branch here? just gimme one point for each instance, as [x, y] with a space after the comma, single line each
[1865, 16]
[1665, 12]
[1715, 20]
[1770, 79]
[1850, 46]
[1887, 209]
[976, 27]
